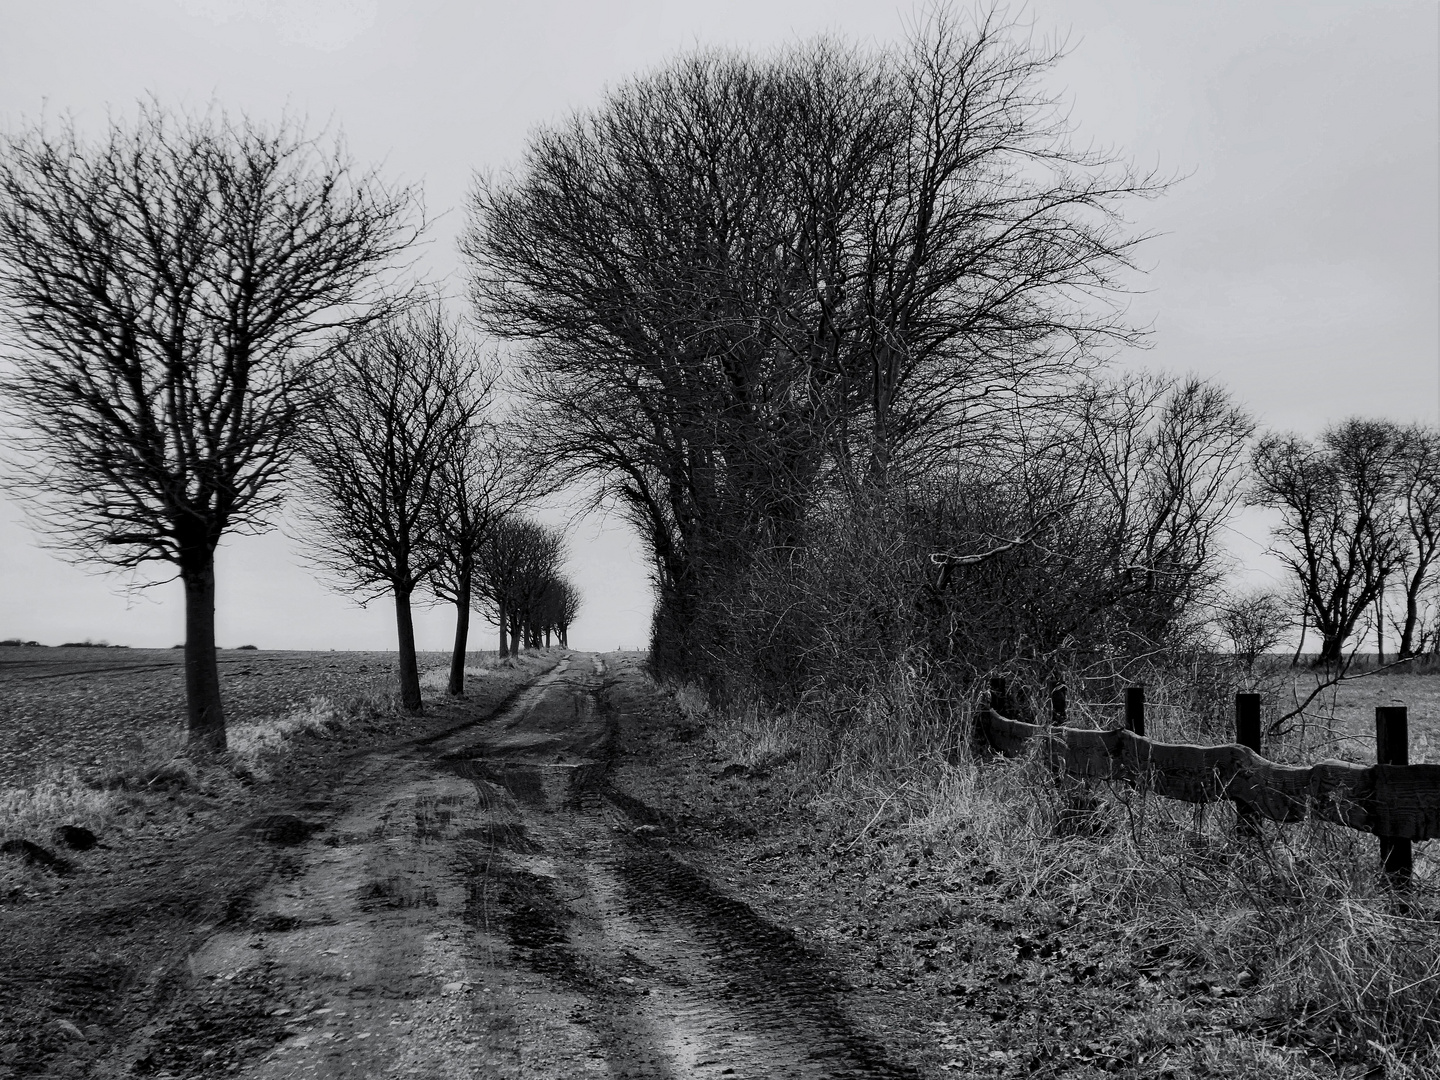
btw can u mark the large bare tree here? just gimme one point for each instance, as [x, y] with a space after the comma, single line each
[167, 289]
[402, 398]
[748, 279]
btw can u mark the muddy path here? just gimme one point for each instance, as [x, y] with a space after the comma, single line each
[670, 976]
[490, 905]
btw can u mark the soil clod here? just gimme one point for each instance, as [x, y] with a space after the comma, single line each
[76, 837]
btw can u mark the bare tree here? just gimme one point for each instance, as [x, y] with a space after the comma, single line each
[532, 607]
[166, 292]
[482, 481]
[557, 608]
[1340, 531]
[567, 604]
[1419, 483]
[750, 280]
[1255, 622]
[1110, 519]
[1163, 465]
[401, 398]
[1078, 546]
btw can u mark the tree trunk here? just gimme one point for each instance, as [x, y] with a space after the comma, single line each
[676, 651]
[1380, 629]
[1413, 585]
[1337, 627]
[504, 645]
[205, 720]
[409, 671]
[547, 637]
[1332, 647]
[1407, 632]
[456, 688]
[1304, 625]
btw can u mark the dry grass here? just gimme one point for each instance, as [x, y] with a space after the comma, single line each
[151, 771]
[1341, 721]
[693, 705]
[252, 746]
[436, 674]
[1332, 968]
[31, 812]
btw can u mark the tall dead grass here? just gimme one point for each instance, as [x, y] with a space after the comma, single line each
[1332, 963]
[253, 747]
[435, 675]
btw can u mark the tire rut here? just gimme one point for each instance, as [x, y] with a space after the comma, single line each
[677, 978]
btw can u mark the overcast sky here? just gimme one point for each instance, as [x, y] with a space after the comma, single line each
[1297, 260]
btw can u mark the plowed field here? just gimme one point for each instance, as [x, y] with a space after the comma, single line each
[80, 707]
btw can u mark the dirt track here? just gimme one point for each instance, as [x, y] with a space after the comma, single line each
[489, 906]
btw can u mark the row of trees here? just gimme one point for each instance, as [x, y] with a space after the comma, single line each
[826, 325]
[196, 310]
[409, 484]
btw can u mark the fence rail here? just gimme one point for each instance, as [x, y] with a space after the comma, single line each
[1399, 802]
[1393, 799]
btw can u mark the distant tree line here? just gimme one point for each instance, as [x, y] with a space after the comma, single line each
[408, 484]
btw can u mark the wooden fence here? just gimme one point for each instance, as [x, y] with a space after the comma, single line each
[1392, 799]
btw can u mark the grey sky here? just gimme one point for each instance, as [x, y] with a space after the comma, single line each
[1297, 261]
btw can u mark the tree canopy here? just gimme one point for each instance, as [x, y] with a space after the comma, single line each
[750, 282]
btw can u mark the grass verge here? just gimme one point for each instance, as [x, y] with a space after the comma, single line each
[1053, 927]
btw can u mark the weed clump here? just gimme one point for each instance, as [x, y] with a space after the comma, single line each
[250, 747]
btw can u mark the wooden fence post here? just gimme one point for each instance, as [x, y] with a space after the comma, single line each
[1058, 705]
[1247, 733]
[1392, 747]
[1135, 709]
[997, 697]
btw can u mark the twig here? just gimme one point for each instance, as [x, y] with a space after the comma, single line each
[883, 802]
[947, 559]
[1334, 681]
